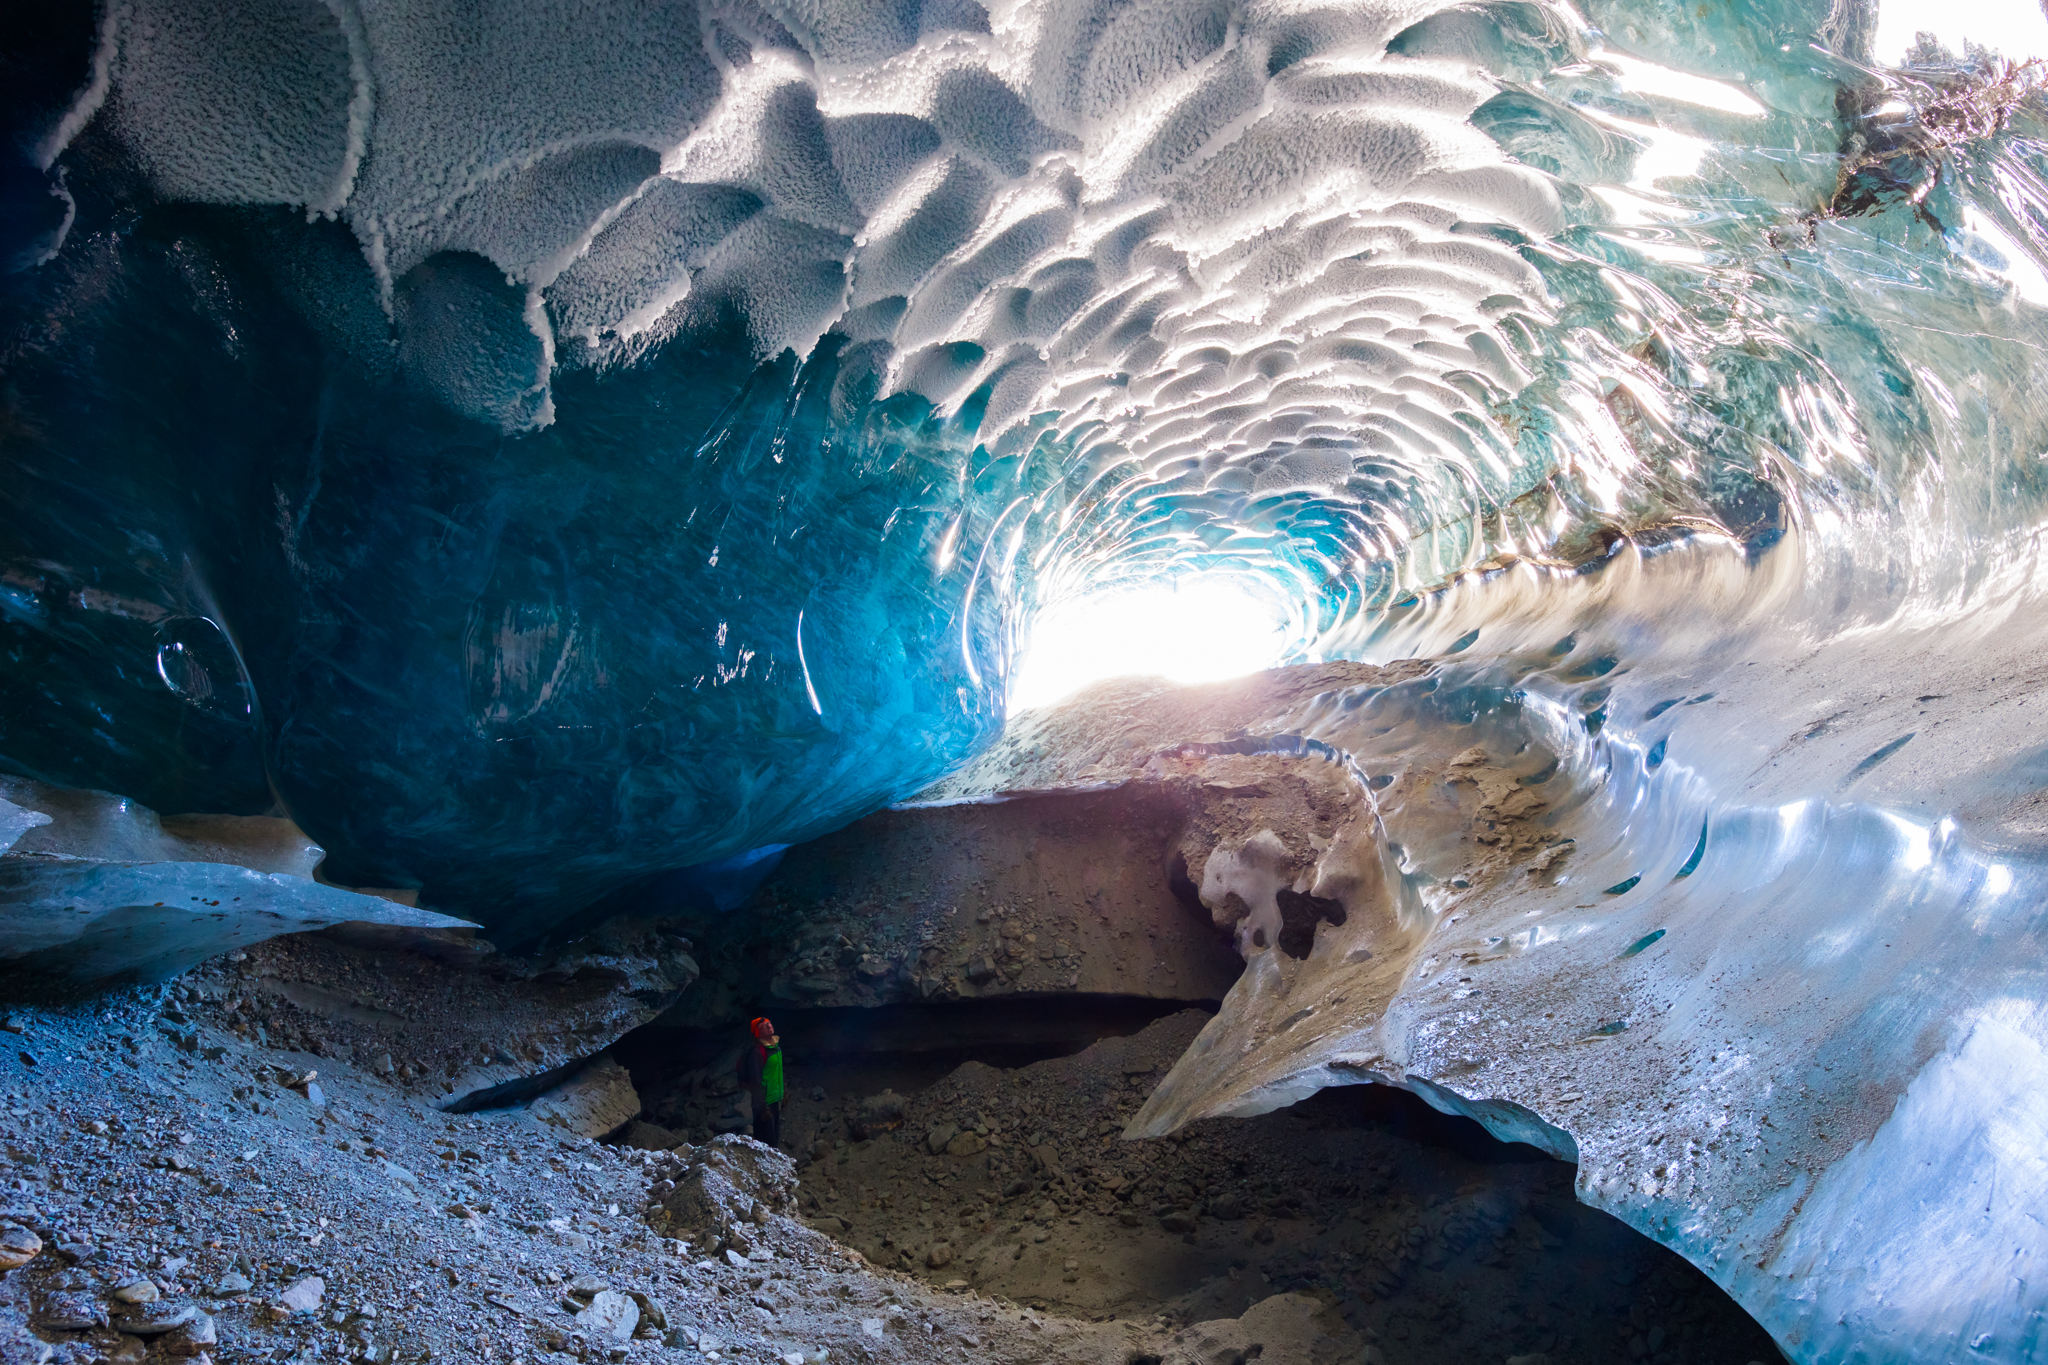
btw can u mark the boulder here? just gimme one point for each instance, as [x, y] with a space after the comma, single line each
[876, 1114]
[18, 1246]
[652, 1312]
[650, 1137]
[722, 1187]
[610, 1316]
[305, 1295]
[1287, 1329]
[153, 1319]
[596, 1101]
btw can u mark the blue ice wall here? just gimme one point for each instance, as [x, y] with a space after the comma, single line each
[537, 480]
[694, 615]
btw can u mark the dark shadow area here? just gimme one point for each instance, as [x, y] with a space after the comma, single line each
[1406, 1116]
[901, 1047]
[1299, 915]
[979, 1145]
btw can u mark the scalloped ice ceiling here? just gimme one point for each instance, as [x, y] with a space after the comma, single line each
[540, 452]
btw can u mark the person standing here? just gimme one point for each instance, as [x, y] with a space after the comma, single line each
[761, 1074]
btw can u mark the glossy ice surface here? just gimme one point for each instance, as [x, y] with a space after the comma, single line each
[536, 456]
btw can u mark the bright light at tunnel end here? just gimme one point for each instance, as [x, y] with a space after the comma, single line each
[2015, 28]
[1197, 628]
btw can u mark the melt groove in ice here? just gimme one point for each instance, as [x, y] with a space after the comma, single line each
[540, 457]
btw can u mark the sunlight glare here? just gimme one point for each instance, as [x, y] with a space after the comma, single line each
[2016, 28]
[1195, 629]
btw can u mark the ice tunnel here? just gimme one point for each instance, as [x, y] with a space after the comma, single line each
[478, 469]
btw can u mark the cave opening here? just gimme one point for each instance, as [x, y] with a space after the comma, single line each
[1186, 627]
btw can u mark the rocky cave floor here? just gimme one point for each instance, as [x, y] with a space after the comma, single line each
[192, 1196]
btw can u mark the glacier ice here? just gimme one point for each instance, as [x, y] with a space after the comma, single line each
[1796, 1040]
[541, 457]
[97, 891]
[75, 925]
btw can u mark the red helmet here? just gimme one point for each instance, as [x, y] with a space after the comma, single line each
[761, 1027]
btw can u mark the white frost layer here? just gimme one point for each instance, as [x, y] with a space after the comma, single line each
[1239, 247]
[238, 104]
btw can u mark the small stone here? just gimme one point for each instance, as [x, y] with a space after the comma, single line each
[14, 1023]
[652, 1314]
[1177, 1221]
[70, 1313]
[586, 1286]
[154, 1319]
[733, 1258]
[610, 1315]
[234, 1282]
[935, 1141]
[966, 1145]
[939, 1257]
[304, 1296]
[191, 1339]
[18, 1246]
[142, 1290]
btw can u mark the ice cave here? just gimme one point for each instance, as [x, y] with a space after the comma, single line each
[1132, 682]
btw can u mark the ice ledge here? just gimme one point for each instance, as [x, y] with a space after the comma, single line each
[71, 924]
[1799, 1041]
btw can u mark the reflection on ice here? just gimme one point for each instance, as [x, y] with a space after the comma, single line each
[1740, 982]
[544, 455]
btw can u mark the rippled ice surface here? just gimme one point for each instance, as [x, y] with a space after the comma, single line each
[542, 455]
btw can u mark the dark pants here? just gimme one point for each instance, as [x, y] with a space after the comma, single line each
[768, 1121]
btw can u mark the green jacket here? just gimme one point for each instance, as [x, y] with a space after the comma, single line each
[761, 1072]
